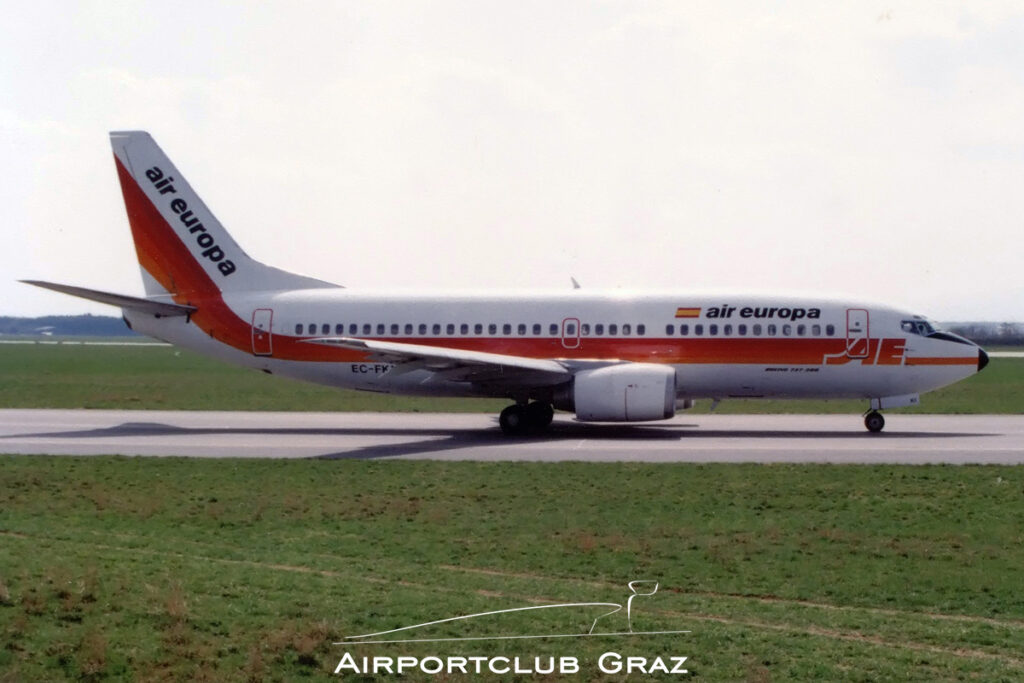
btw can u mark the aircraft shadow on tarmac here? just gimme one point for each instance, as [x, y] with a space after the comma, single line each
[458, 439]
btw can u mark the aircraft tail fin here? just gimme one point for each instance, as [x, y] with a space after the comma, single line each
[182, 248]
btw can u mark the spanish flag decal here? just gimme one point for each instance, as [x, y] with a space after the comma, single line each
[687, 312]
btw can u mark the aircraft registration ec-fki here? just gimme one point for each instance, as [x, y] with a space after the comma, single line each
[607, 357]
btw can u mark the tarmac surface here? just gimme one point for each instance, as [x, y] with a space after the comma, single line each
[907, 439]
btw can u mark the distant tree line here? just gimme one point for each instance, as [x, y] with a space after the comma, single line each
[66, 325]
[990, 334]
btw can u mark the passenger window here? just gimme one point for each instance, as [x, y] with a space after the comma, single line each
[698, 330]
[771, 330]
[311, 329]
[435, 329]
[521, 329]
[394, 328]
[641, 330]
[757, 330]
[536, 329]
[492, 329]
[553, 330]
[423, 329]
[670, 330]
[787, 330]
[506, 329]
[626, 329]
[742, 329]
[816, 330]
[599, 329]
[585, 329]
[380, 328]
[339, 329]
[408, 329]
[801, 330]
[463, 329]
[830, 330]
[684, 330]
[325, 328]
[570, 330]
[478, 328]
[353, 328]
[298, 329]
[613, 329]
[727, 331]
[367, 328]
[449, 329]
[712, 330]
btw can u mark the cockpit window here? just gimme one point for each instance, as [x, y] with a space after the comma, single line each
[920, 327]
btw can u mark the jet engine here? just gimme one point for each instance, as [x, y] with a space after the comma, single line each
[625, 393]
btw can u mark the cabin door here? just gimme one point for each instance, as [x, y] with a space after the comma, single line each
[571, 333]
[857, 333]
[262, 343]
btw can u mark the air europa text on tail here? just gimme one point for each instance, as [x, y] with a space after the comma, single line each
[205, 240]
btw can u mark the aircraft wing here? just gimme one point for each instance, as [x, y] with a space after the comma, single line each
[457, 365]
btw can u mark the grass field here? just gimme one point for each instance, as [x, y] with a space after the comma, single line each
[171, 569]
[45, 376]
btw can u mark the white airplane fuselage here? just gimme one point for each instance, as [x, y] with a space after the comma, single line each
[606, 356]
[849, 350]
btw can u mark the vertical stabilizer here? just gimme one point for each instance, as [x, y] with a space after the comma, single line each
[182, 247]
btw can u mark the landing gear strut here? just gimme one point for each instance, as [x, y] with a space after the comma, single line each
[874, 421]
[525, 419]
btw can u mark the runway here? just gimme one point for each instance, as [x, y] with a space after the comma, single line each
[908, 439]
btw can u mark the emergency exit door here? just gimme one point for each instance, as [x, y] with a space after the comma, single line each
[262, 343]
[858, 333]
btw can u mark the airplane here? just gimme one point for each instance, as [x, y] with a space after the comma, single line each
[604, 356]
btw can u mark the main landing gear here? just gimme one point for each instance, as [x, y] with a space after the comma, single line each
[874, 421]
[521, 419]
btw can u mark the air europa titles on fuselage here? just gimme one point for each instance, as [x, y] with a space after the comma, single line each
[761, 312]
[210, 250]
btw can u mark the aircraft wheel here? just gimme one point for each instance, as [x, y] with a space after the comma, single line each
[874, 421]
[539, 415]
[513, 420]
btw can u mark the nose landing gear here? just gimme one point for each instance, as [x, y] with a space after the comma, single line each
[874, 421]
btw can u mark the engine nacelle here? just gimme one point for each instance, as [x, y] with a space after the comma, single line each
[625, 393]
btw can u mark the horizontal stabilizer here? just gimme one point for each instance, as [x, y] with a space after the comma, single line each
[134, 303]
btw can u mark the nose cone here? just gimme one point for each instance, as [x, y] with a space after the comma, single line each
[982, 359]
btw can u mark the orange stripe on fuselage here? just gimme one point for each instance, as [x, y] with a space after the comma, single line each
[641, 349]
[942, 361]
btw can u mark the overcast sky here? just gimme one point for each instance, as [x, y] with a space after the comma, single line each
[872, 149]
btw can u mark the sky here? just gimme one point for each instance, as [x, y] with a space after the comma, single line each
[870, 149]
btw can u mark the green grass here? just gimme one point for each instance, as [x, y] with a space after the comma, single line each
[157, 569]
[47, 376]
[166, 378]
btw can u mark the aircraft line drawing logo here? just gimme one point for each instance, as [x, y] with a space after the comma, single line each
[641, 588]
